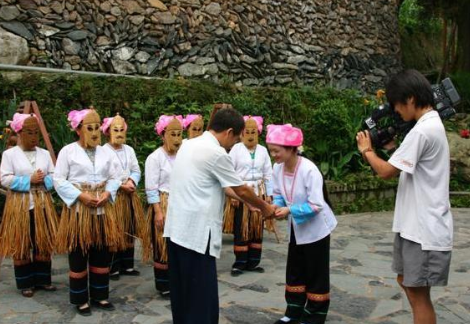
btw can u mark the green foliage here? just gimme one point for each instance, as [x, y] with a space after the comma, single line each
[413, 18]
[460, 201]
[362, 205]
[461, 81]
[421, 37]
[8, 108]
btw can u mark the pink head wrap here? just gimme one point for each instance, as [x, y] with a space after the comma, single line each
[163, 122]
[75, 117]
[189, 119]
[258, 120]
[107, 122]
[18, 120]
[284, 135]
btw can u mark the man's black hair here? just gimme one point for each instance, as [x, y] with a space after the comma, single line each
[409, 84]
[227, 118]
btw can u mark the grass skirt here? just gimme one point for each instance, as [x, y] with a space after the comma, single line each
[252, 221]
[15, 234]
[83, 227]
[130, 217]
[158, 241]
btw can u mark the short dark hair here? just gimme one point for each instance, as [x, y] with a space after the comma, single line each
[227, 118]
[407, 84]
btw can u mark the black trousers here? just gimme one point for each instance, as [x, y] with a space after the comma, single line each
[123, 260]
[160, 267]
[308, 281]
[89, 275]
[193, 284]
[36, 272]
[247, 252]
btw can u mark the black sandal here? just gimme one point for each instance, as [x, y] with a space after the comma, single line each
[46, 288]
[28, 293]
[165, 294]
[114, 276]
[256, 269]
[85, 311]
[103, 304]
[235, 272]
[130, 272]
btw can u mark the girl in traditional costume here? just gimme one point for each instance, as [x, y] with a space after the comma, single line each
[29, 220]
[194, 125]
[253, 165]
[129, 209]
[158, 168]
[299, 195]
[86, 180]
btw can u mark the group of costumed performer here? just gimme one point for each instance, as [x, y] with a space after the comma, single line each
[129, 210]
[253, 165]
[87, 180]
[158, 167]
[29, 222]
[299, 193]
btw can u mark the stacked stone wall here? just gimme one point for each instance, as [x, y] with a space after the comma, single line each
[347, 43]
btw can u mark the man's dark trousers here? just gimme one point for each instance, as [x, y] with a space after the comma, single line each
[193, 286]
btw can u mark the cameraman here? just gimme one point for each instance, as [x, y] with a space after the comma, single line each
[422, 218]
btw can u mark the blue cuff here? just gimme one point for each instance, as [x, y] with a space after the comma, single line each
[279, 201]
[135, 177]
[48, 182]
[302, 212]
[112, 186]
[269, 187]
[68, 193]
[21, 183]
[153, 196]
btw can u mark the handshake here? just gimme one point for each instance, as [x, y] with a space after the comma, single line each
[269, 211]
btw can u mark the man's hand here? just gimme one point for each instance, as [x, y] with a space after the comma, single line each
[268, 211]
[363, 141]
[252, 208]
[282, 212]
[88, 200]
[234, 202]
[104, 197]
[37, 177]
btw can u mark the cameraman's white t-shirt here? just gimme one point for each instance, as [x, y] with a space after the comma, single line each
[422, 207]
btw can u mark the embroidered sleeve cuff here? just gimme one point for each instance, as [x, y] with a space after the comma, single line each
[279, 201]
[112, 186]
[68, 193]
[153, 196]
[303, 212]
[135, 177]
[21, 183]
[48, 183]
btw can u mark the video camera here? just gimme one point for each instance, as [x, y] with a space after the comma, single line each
[445, 98]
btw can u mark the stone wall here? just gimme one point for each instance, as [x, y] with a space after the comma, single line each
[348, 43]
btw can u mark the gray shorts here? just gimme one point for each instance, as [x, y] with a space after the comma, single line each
[420, 268]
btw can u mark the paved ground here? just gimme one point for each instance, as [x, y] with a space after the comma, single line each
[363, 286]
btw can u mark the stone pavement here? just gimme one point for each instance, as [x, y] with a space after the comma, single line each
[363, 286]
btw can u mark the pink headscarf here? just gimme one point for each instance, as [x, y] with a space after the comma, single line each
[284, 135]
[258, 120]
[75, 117]
[18, 120]
[189, 119]
[107, 122]
[163, 122]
